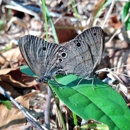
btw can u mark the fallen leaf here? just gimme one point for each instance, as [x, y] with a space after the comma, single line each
[17, 78]
[65, 30]
[14, 81]
[14, 118]
[11, 57]
[114, 22]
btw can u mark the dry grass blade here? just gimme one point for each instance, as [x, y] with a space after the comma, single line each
[119, 30]
[106, 18]
[18, 22]
[95, 10]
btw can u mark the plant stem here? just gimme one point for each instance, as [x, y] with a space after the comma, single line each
[52, 26]
[45, 18]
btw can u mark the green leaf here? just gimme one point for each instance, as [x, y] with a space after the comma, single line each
[100, 102]
[75, 119]
[124, 14]
[7, 103]
[94, 126]
[1, 25]
[26, 70]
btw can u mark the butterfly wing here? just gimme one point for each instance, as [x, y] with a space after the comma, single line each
[94, 37]
[84, 52]
[81, 56]
[41, 56]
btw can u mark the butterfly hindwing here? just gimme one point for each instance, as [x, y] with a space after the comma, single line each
[84, 52]
[76, 57]
[94, 37]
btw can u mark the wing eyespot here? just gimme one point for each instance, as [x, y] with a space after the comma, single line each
[63, 54]
[78, 44]
[60, 60]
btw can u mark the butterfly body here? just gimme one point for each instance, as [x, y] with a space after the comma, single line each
[80, 56]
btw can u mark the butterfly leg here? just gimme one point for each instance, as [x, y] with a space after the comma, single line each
[87, 79]
[92, 83]
[57, 82]
[79, 83]
[92, 78]
[84, 77]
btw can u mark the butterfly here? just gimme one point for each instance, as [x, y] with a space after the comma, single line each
[80, 56]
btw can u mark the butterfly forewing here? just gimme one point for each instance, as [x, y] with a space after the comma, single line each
[41, 56]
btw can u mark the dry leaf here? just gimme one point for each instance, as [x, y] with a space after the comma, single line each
[13, 79]
[14, 118]
[114, 22]
[17, 78]
[65, 30]
[13, 56]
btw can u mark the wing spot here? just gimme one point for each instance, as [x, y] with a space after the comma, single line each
[44, 48]
[64, 54]
[78, 44]
[94, 34]
[60, 60]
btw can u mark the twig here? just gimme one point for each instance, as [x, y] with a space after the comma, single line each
[23, 110]
[47, 109]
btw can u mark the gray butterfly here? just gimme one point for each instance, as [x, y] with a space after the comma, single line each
[80, 56]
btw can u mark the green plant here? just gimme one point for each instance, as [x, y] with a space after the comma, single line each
[7, 103]
[125, 13]
[102, 103]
